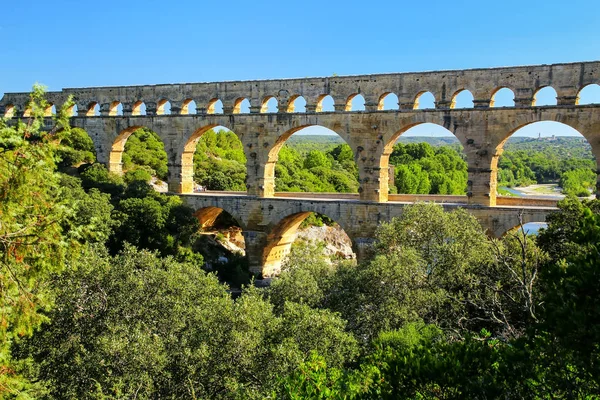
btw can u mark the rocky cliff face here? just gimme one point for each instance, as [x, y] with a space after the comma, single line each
[337, 243]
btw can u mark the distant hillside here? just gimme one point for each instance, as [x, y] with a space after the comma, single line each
[571, 144]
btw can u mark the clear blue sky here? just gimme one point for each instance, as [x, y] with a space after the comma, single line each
[87, 43]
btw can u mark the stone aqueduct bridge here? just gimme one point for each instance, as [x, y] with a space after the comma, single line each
[269, 219]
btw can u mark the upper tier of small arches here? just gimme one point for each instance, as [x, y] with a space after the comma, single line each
[478, 88]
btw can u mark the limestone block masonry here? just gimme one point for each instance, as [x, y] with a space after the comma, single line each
[482, 131]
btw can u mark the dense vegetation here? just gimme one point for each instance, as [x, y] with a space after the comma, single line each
[564, 160]
[102, 296]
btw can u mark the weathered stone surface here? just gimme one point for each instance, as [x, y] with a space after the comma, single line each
[482, 130]
[270, 225]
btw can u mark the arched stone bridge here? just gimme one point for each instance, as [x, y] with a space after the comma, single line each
[269, 224]
[482, 130]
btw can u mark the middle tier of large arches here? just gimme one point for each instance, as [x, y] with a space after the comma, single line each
[370, 136]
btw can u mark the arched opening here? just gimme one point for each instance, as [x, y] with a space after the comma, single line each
[424, 159]
[212, 159]
[311, 158]
[9, 111]
[163, 107]
[388, 101]
[50, 110]
[297, 104]
[285, 233]
[116, 108]
[139, 108]
[269, 105]
[215, 106]
[462, 99]
[73, 110]
[545, 96]
[145, 156]
[93, 109]
[222, 245]
[325, 103]
[241, 106]
[503, 97]
[188, 107]
[27, 112]
[424, 100]
[589, 94]
[356, 102]
[543, 160]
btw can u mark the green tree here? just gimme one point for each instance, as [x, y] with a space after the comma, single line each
[32, 213]
[144, 148]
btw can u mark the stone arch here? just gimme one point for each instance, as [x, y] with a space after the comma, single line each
[355, 102]
[273, 155]
[589, 94]
[207, 216]
[424, 100]
[93, 109]
[182, 179]
[545, 96]
[269, 105]
[115, 158]
[417, 128]
[9, 111]
[50, 110]
[503, 97]
[188, 107]
[115, 109]
[282, 236]
[463, 98]
[27, 111]
[387, 101]
[139, 108]
[325, 103]
[163, 107]
[297, 104]
[241, 106]
[73, 110]
[542, 124]
[215, 106]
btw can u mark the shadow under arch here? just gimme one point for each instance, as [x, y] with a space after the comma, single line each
[273, 155]
[9, 111]
[418, 129]
[188, 107]
[283, 235]
[526, 129]
[208, 217]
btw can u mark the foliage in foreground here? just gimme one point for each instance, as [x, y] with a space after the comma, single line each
[136, 325]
